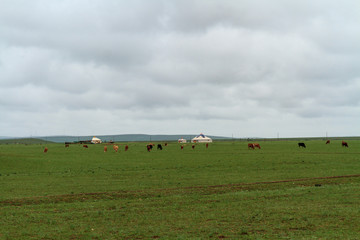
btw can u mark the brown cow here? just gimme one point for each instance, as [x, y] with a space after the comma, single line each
[116, 148]
[344, 144]
[126, 148]
[105, 148]
[193, 146]
[45, 150]
[182, 147]
[67, 145]
[328, 142]
[257, 145]
[251, 145]
[207, 145]
[85, 146]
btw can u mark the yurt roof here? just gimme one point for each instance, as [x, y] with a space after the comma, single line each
[201, 136]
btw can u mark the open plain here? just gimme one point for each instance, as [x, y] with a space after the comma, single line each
[224, 191]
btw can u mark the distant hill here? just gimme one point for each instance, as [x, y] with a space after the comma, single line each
[125, 138]
[23, 141]
[146, 138]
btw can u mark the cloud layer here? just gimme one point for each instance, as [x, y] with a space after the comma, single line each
[230, 68]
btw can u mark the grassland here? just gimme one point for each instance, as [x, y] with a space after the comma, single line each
[225, 191]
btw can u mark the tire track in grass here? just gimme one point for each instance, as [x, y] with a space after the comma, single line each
[148, 193]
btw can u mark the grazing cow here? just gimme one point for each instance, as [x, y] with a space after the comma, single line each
[45, 150]
[251, 145]
[126, 148]
[105, 148]
[207, 145]
[257, 145]
[193, 146]
[85, 146]
[149, 147]
[165, 144]
[159, 147]
[301, 145]
[182, 147]
[67, 145]
[116, 148]
[328, 142]
[344, 144]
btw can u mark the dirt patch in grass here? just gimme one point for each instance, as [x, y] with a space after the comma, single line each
[214, 189]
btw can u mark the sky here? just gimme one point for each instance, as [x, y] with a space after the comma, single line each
[248, 68]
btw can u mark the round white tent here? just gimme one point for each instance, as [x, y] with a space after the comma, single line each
[201, 139]
[181, 140]
[96, 140]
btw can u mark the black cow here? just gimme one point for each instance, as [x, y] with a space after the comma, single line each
[149, 147]
[302, 145]
[159, 147]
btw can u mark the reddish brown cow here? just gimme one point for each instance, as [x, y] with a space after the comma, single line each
[193, 146]
[344, 144]
[105, 148]
[207, 145]
[328, 142]
[257, 145]
[85, 146]
[45, 150]
[126, 148]
[67, 145]
[251, 145]
[182, 147]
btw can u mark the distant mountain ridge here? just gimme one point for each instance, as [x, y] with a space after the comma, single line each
[10, 140]
[125, 138]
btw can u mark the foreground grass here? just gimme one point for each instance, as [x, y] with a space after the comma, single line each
[225, 191]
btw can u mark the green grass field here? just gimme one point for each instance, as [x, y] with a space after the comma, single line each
[225, 191]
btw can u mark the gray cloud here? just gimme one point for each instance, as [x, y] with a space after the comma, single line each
[250, 68]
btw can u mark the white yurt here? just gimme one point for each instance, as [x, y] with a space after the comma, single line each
[181, 140]
[96, 140]
[201, 139]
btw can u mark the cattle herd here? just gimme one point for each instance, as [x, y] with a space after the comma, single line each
[150, 146]
[300, 144]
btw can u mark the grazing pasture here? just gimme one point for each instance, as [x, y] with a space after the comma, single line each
[224, 190]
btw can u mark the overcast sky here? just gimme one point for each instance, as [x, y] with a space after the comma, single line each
[247, 68]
